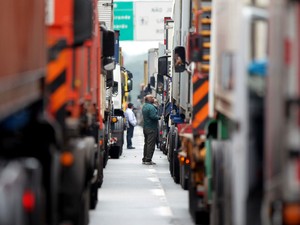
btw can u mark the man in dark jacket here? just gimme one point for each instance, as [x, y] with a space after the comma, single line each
[150, 129]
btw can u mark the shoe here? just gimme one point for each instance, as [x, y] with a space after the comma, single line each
[130, 147]
[150, 163]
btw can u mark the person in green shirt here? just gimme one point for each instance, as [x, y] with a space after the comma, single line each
[150, 128]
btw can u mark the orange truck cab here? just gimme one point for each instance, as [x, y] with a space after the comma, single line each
[73, 66]
[50, 121]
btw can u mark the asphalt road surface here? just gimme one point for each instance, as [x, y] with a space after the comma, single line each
[137, 194]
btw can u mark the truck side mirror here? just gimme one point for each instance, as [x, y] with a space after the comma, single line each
[152, 81]
[130, 76]
[83, 21]
[179, 59]
[129, 84]
[163, 66]
[108, 49]
[108, 42]
[160, 84]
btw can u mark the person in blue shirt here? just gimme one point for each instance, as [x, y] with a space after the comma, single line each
[150, 129]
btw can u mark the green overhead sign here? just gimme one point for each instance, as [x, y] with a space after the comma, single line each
[123, 20]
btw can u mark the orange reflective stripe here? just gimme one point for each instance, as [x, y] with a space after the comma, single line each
[200, 116]
[58, 98]
[200, 93]
[56, 67]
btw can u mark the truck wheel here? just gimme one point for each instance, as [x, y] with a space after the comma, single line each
[83, 214]
[176, 166]
[163, 147]
[171, 150]
[94, 196]
[105, 157]
[100, 168]
[200, 216]
[176, 169]
[115, 152]
[185, 185]
[182, 176]
[90, 154]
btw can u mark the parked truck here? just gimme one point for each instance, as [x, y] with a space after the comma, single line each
[237, 100]
[21, 97]
[189, 101]
[118, 84]
[281, 158]
[51, 122]
[177, 110]
[224, 181]
[239, 151]
[207, 151]
[117, 119]
[122, 85]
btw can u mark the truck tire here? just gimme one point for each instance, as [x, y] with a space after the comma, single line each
[176, 166]
[163, 147]
[85, 206]
[200, 216]
[105, 153]
[183, 177]
[115, 152]
[217, 208]
[97, 179]
[176, 172]
[90, 157]
[100, 169]
[171, 146]
[93, 196]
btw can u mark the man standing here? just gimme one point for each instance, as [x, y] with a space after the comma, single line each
[150, 129]
[156, 105]
[130, 123]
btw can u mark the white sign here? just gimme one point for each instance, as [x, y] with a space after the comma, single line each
[149, 20]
